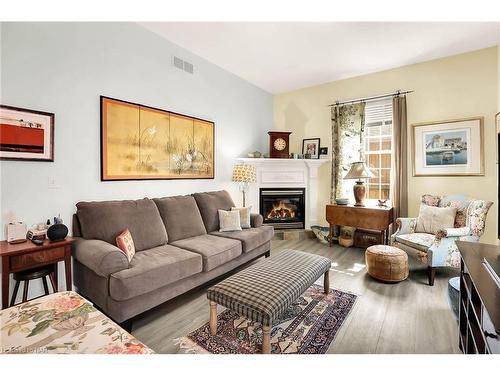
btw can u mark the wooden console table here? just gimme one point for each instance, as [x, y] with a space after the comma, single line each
[27, 255]
[367, 217]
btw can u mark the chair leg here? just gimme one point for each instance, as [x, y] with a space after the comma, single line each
[14, 293]
[25, 290]
[431, 272]
[45, 286]
[53, 282]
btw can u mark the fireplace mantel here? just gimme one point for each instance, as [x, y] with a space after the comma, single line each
[274, 173]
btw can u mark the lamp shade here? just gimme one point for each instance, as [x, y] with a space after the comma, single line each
[358, 170]
[244, 173]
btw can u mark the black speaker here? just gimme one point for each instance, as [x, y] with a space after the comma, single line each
[57, 232]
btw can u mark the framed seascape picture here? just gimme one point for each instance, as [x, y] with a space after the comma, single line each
[310, 147]
[144, 143]
[26, 134]
[448, 148]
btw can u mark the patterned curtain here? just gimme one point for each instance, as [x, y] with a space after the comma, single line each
[399, 168]
[348, 122]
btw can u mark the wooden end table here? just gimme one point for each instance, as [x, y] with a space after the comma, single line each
[27, 255]
[370, 216]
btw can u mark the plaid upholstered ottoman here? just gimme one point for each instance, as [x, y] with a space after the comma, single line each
[264, 291]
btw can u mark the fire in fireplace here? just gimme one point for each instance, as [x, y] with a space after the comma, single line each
[283, 208]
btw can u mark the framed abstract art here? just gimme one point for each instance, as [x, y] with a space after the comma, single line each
[448, 148]
[145, 143]
[26, 134]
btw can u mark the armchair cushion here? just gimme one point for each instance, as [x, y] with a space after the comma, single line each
[100, 256]
[419, 241]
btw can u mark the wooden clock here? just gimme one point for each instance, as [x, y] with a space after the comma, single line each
[279, 145]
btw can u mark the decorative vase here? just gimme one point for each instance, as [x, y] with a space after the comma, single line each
[57, 232]
[359, 193]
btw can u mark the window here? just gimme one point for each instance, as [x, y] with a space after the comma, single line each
[378, 147]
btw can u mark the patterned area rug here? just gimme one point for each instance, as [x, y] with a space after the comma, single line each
[307, 327]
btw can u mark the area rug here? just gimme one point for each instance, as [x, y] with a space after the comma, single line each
[307, 327]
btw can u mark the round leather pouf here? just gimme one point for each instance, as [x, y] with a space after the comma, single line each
[386, 263]
[57, 232]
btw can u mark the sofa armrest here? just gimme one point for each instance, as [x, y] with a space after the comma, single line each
[101, 257]
[453, 232]
[256, 220]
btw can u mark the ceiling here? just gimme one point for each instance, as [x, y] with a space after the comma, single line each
[280, 57]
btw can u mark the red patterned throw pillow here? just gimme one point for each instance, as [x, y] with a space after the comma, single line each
[126, 244]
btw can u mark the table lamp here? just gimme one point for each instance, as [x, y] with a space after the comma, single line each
[359, 171]
[244, 174]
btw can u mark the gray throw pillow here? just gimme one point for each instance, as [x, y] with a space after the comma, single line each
[244, 215]
[431, 219]
[229, 221]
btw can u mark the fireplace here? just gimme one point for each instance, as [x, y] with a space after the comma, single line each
[283, 208]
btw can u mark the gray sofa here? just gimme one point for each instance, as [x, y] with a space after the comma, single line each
[178, 247]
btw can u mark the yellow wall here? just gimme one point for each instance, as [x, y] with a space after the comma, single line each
[460, 86]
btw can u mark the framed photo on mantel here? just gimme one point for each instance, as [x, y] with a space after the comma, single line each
[26, 134]
[448, 148]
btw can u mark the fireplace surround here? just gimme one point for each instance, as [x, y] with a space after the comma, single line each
[283, 208]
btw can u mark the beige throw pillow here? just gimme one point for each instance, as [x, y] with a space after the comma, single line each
[229, 221]
[431, 219]
[244, 215]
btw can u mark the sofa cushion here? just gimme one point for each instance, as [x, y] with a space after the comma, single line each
[181, 217]
[152, 269]
[209, 204]
[214, 250]
[106, 220]
[420, 241]
[250, 238]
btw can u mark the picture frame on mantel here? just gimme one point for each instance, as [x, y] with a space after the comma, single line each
[26, 134]
[310, 148]
[448, 148]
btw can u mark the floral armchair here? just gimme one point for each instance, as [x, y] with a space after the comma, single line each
[440, 250]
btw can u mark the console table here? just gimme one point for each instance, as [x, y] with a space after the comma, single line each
[364, 217]
[479, 307]
[27, 255]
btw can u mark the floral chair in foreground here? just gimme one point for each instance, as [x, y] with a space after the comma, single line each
[440, 250]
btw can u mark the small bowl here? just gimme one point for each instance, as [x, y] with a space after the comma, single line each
[342, 201]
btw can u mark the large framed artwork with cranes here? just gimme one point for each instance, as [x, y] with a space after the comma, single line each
[448, 148]
[145, 143]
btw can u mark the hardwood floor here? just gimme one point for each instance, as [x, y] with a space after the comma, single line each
[408, 317]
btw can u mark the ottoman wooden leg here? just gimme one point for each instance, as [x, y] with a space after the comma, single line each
[326, 282]
[266, 339]
[213, 318]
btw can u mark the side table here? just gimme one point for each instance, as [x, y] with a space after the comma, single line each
[27, 255]
[370, 216]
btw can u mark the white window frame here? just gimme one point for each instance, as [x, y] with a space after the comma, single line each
[379, 114]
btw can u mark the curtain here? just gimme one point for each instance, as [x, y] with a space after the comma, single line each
[399, 160]
[347, 145]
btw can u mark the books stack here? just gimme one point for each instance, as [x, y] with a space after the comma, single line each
[35, 234]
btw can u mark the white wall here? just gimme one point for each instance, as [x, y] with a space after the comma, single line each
[63, 68]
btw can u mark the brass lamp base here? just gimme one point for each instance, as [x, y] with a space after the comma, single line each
[359, 193]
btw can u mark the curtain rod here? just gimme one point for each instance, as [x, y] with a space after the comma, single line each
[370, 98]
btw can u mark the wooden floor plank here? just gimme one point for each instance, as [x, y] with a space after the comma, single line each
[407, 317]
